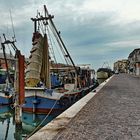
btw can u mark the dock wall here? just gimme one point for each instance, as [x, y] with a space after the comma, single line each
[49, 131]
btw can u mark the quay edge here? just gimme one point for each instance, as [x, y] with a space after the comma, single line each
[49, 131]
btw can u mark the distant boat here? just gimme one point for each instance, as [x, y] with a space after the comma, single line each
[52, 87]
[103, 73]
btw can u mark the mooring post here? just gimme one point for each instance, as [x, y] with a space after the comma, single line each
[19, 88]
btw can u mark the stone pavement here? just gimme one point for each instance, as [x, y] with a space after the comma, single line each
[113, 113]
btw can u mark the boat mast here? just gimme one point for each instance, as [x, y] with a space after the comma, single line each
[47, 20]
[35, 20]
[19, 80]
[45, 69]
[12, 43]
[6, 42]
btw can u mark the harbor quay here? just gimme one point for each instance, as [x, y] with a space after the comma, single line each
[110, 112]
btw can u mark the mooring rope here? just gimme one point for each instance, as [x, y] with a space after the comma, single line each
[41, 122]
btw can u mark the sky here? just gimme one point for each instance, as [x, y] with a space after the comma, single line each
[94, 31]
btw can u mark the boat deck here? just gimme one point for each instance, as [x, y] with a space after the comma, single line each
[113, 113]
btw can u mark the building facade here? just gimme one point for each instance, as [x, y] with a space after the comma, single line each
[134, 61]
[10, 61]
[121, 66]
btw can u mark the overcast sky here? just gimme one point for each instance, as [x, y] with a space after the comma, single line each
[94, 31]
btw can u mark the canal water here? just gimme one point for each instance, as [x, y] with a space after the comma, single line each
[30, 124]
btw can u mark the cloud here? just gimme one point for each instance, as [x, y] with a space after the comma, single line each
[93, 31]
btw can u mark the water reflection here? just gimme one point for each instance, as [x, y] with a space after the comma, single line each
[30, 124]
[6, 123]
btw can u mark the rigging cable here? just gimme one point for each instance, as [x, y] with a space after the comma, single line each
[58, 50]
[51, 45]
[40, 27]
[56, 36]
[14, 37]
[58, 41]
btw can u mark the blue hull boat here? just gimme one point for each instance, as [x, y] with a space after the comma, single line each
[52, 87]
[39, 100]
[5, 100]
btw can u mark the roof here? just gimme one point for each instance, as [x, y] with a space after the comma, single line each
[135, 50]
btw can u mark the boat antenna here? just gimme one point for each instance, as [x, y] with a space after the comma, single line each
[14, 37]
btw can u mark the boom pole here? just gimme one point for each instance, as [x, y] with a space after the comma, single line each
[58, 34]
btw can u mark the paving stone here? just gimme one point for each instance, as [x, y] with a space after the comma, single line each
[112, 114]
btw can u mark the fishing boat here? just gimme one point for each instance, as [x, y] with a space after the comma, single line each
[104, 72]
[52, 87]
[6, 78]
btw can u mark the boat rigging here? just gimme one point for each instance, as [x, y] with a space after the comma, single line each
[51, 86]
